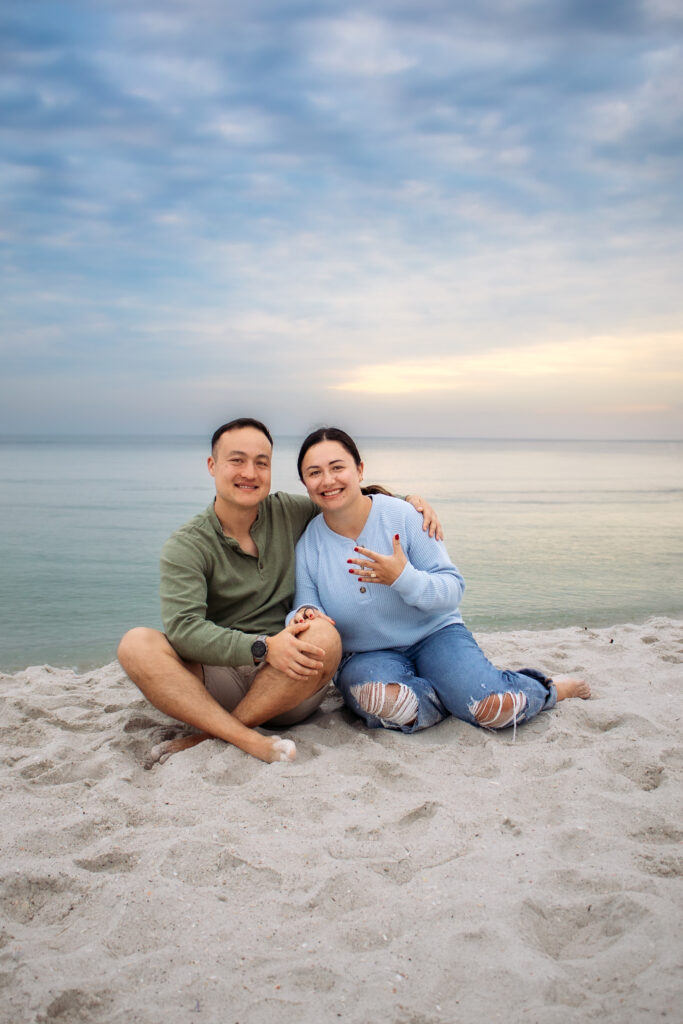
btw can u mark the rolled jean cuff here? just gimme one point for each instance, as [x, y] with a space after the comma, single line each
[546, 681]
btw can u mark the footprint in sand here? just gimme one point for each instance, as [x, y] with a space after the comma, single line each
[559, 654]
[605, 724]
[339, 895]
[638, 724]
[138, 722]
[580, 930]
[209, 864]
[313, 979]
[33, 771]
[46, 773]
[113, 861]
[73, 1006]
[386, 856]
[664, 833]
[662, 865]
[364, 938]
[419, 815]
[38, 898]
[672, 757]
[646, 776]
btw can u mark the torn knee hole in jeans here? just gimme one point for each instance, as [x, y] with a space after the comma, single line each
[393, 703]
[499, 710]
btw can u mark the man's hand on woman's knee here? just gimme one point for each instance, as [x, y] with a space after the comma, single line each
[292, 655]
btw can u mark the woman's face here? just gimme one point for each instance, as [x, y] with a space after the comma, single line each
[331, 476]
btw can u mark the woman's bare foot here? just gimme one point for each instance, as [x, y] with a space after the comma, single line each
[567, 687]
[266, 748]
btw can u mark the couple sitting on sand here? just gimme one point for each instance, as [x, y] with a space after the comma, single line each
[375, 607]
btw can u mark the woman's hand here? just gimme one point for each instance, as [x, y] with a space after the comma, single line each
[307, 611]
[431, 522]
[374, 568]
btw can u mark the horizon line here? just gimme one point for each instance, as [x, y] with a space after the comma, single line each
[383, 437]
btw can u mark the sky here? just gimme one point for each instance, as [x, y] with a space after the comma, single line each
[436, 219]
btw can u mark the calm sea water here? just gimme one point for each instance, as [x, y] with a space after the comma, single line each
[546, 533]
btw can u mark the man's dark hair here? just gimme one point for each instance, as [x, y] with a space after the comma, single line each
[238, 424]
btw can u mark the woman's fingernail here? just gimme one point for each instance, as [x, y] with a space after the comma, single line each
[396, 536]
[350, 570]
[349, 559]
[356, 549]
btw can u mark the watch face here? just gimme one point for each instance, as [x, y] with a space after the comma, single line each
[259, 649]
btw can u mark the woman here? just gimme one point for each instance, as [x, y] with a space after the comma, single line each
[393, 593]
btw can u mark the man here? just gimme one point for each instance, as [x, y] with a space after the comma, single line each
[227, 663]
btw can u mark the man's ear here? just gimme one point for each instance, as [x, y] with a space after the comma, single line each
[211, 463]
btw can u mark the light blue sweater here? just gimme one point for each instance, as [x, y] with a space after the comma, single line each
[374, 616]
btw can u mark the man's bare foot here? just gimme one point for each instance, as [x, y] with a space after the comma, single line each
[567, 687]
[266, 748]
[282, 750]
[162, 751]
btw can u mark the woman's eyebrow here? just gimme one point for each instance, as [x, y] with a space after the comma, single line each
[332, 462]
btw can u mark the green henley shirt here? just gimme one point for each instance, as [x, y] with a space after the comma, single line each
[215, 598]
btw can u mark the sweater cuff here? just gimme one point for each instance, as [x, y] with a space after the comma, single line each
[407, 582]
[242, 649]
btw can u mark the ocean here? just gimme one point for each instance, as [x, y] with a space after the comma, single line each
[546, 533]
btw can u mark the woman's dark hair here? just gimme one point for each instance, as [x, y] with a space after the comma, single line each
[328, 434]
[243, 421]
[336, 434]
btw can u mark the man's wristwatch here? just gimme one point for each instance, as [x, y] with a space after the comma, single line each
[259, 649]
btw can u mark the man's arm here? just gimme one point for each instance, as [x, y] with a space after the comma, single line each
[196, 639]
[184, 607]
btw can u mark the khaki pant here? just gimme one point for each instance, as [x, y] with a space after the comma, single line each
[229, 685]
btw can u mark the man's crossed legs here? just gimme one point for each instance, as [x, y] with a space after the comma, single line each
[177, 688]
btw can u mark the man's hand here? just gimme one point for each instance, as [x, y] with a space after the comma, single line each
[431, 521]
[296, 658]
[374, 568]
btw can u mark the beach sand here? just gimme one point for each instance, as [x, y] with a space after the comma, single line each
[450, 876]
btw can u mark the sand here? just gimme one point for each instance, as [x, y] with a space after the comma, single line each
[453, 875]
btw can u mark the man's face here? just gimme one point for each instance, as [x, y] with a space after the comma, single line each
[240, 467]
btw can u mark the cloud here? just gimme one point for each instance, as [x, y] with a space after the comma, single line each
[358, 44]
[199, 197]
[591, 365]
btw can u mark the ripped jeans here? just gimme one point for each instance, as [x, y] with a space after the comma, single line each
[447, 673]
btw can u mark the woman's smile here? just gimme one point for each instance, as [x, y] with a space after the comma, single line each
[330, 475]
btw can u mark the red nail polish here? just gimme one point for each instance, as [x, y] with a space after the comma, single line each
[396, 537]
[349, 559]
[350, 570]
[356, 549]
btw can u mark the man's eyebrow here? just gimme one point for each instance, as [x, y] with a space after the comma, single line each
[260, 455]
